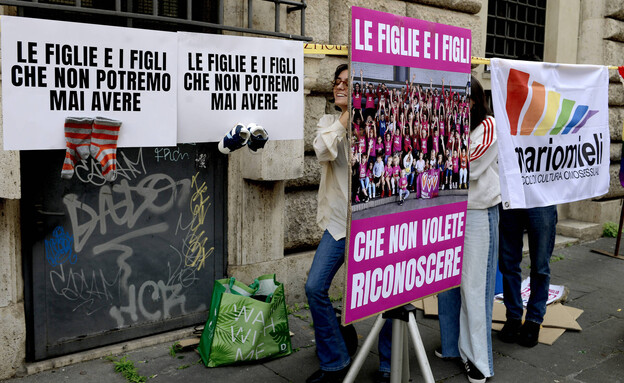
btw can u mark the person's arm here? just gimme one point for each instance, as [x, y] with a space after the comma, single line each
[403, 123]
[483, 147]
[329, 135]
[442, 145]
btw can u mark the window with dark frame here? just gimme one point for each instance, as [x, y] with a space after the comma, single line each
[201, 16]
[515, 28]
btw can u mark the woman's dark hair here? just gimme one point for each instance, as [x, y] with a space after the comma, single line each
[480, 110]
[340, 69]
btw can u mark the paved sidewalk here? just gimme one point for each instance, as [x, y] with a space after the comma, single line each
[596, 354]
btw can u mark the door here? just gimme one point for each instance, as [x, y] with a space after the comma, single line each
[106, 262]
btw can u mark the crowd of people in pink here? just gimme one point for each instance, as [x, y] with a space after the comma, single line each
[401, 132]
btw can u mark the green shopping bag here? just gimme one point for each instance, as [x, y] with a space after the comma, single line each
[246, 323]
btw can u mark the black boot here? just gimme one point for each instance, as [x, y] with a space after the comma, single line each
[529, 334]
[509, 333]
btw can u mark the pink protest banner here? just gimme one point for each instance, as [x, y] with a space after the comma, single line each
[397, 258]
[385, 38]
[410, 82]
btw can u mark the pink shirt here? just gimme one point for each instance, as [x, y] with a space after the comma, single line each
[463, 163]
[362, 145]
[363, 170]
[416, 142]
[379, 148]
[370, 99]
[396, 171]
[396, 142]
[403, 182]
[436, 144]
[371, 147]
[423, 145]
[357, 100]
[436, 100]
[388, 146]
[407, 143]
[389, 169]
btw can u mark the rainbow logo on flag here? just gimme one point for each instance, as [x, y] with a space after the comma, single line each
[532, 123]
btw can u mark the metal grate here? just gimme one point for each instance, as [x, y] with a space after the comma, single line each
[172, 15]
[515, 28]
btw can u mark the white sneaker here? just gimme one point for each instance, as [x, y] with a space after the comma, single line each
[235, 139]
[259, 137]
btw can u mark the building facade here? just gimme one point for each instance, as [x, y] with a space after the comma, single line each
[270, 213]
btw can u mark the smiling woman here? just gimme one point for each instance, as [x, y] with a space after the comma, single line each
[331, 147]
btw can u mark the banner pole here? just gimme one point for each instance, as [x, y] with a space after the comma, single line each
[616, 254]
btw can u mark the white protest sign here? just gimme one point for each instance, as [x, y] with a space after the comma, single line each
[52, 70]
[555, 292]
[224, 80]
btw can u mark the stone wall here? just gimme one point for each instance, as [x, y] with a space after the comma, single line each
[281, 234]
[601, 41]
[12, 318]
[328, 22]
[272, 196]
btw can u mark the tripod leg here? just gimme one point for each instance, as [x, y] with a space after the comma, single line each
[357, 363]
[398, 338]
[420, 350]
[406, 370]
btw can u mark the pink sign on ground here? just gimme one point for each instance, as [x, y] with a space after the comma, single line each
[397, 258]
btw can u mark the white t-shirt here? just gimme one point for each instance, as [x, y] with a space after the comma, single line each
[484, 191]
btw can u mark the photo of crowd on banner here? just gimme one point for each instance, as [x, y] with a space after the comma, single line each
[408, 138]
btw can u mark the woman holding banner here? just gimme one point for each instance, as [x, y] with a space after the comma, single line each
[466, 312]
[331, 146]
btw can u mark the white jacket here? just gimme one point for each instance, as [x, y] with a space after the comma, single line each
[330, 145]
[484, 191]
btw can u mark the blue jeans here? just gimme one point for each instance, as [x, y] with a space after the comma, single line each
[371, 188]
[541, 225]
[449, 307]
[465, 313]
[330, 346]
[364, 183]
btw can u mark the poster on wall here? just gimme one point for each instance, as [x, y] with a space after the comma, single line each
[224, 80]
[53, 69]
[553, 132]
[409, 142]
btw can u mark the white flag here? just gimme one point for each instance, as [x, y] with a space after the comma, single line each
[552, 123]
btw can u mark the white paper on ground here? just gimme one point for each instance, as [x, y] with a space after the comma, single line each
[555, 292]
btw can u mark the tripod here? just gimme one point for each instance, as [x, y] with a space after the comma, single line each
[402, 318]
